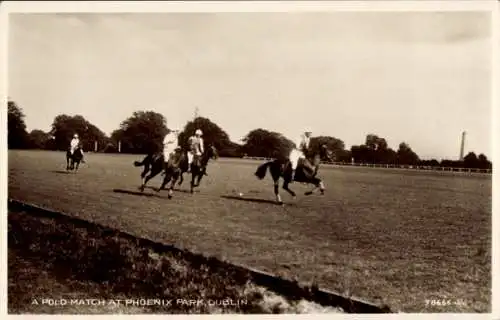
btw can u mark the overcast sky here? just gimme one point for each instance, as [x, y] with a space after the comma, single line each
[421, 78]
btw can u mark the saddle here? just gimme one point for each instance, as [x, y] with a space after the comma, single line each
[308, 167]
[77, 150]
[174, 159]
[196, 160]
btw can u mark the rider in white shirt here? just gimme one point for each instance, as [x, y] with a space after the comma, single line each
[75, 144]
[170, 144]
[301, 147]
[196, 147]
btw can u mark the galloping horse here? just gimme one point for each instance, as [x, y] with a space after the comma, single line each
[173, 171]
[303, 173]
[73, 160]
[198, 167]
[154, 163]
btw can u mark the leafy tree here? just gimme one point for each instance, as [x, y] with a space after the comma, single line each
[406, 155]
[361, 153]
[335, 146]
[483, 162]
[388, 156]
[212, 134]
[264, 143]
[143, 132]
[39, 139]
[471, 160]
[482, 158]
[17, 136]
[65, 126]
[451, 163]
[377, 150]
[432, 162]
[374, 142]
[344, 156]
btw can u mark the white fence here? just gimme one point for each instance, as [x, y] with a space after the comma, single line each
[393, 166]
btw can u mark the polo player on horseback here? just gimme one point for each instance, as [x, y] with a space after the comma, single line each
[196, 148]
[301, 151]
[301, 166]
[75, 144]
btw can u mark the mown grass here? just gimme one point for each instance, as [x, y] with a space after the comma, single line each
[54, 259]
[388, 236]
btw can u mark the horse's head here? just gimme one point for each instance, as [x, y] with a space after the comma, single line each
[316, 159]
[212, 152]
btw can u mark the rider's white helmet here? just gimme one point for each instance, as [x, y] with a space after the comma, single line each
[198, 132]
[307, 130]
[75, 135]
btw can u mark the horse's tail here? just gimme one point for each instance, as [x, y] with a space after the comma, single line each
[138, 163]
[262, 169]
[141, 163]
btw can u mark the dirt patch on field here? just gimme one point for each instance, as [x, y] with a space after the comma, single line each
[59, 267]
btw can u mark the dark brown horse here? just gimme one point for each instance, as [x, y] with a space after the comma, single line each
[154, 163]
[73, 160]
[198, 167]
[306, 172]
[172, 172]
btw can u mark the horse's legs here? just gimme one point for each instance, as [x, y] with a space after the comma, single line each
[277, 192]
[193, 177]
[145, 171]
[171, 188]
[181, 179]
[318, 184]
[321, 186]
[145, 180]
[286, 186]
[199, 177]
[275, 173]
[166, 179]
[67, 163]
[169, 177]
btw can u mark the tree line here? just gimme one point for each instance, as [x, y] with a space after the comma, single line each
[143, 132]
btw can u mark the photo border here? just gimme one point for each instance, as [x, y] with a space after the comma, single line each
[259, 6]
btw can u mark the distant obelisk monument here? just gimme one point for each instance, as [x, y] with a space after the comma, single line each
[462, 145]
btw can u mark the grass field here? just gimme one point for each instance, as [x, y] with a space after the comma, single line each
[388, 236]
[64, 260]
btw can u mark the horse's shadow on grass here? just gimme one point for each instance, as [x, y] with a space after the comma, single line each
[175, 189]
[254, 200]
[61, 171]
[156, 194]
[135, 193]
